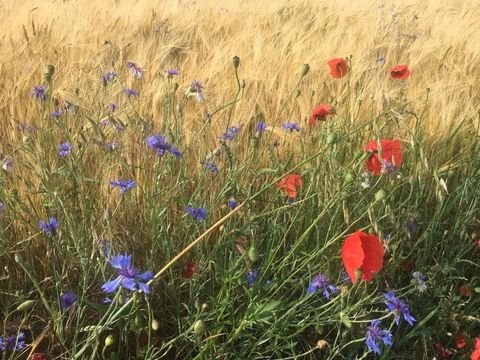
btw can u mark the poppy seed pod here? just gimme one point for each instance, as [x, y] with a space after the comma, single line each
[236, 61]
[304, 70]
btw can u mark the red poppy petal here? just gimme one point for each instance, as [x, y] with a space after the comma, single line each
[374, 252]
[352, 254]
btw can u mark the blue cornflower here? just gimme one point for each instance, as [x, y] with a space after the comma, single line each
[158, 143]
[130, 92]
[7, 164]
[112, 107]
[64, 149]
[172, 72]
[232, 203]
[251, 276]
[388, 167]
[124, 185]
[376, 334]
[109, 77]
[39, 92]
[419, 281]
[57, 114]
[135, 70]
[210, 166]
[199, 214]
[12, 342]
[261, 127]
[112, 146]
[50, 226]
[67, 300]
[231, 132]
[399, 307]
[321, 282]
[128, 277]
[291, 126]
[196, 86]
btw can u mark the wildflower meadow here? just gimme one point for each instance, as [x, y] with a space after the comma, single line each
[240, 180]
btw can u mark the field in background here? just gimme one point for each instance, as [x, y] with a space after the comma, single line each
[435, 114]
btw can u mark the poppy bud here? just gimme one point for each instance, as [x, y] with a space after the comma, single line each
[345, 320]
[49, 73]
[109, 341]
[199, 328]
[26, 305]
[179, 109]
[204, 306]
[243, 84]
[175, 87]
[380, 195]
[236, 62]
[331, 139]
[297, 93]
[348, 178]
[221, 228]
[253, 254]
[312, 93]
[155, 325]
[304, 70]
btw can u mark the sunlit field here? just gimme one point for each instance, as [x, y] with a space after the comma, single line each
[239, 179]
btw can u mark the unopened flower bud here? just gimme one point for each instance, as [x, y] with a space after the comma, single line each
[155, 325]
[236, 62]
[26, 305]
[199, 328]
[253, 254]
[380, 195]
[109, 340]
[331, 139]
[304, 70]
[298, 92]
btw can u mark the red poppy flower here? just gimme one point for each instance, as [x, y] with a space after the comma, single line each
[320, 112]
[475, 355]
[442, 351]
[189, 269]
[338, 67]
[36, 356]
[466, 290]
[289, 184]
[390, 159]
[460, 341]
[400, 72]
[364, 252]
